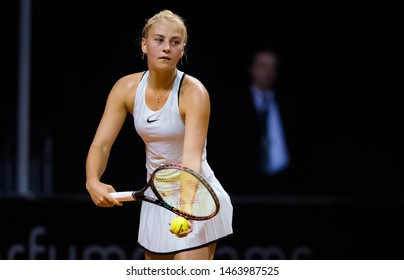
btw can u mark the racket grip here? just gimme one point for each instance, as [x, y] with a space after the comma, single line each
[123, 196]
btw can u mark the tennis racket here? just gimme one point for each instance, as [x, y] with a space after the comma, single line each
[178, 189]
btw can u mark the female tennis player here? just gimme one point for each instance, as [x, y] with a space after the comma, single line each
[171, 112]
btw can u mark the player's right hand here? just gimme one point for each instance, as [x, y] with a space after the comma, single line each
[99, 193]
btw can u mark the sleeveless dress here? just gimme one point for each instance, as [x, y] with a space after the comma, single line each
[163, 133]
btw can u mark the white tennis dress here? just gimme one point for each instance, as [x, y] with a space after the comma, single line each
[163, 134]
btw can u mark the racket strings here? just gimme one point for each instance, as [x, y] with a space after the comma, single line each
[185, 192]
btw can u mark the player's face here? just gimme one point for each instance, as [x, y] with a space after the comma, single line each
[164, 45]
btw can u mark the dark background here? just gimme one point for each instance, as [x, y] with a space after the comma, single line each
[341, 61]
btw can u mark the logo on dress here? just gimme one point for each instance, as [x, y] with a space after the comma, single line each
[150, 121]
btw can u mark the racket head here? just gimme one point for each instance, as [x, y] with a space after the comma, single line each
[172, 182]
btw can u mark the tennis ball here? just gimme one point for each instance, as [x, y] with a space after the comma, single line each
[179, 224]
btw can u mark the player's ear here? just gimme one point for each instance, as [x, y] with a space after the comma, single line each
[144, 46]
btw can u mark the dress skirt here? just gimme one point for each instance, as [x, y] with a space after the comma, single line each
[154, 230]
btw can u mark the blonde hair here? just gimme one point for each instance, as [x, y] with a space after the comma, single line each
[169, 16]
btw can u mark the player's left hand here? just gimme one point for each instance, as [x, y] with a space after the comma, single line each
[185, 232]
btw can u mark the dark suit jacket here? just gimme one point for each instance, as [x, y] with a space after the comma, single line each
[240, 141]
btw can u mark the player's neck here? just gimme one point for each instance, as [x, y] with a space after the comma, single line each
[161, 81]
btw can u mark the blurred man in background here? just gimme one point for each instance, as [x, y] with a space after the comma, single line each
[262, 128]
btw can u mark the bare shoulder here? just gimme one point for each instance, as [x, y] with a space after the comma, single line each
[193, 88]
[128, 82]
[194, 97]
[124, 89]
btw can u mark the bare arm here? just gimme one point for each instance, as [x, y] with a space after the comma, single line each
[111, 123]
[195, 103]
[196, 111]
